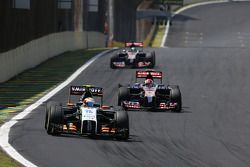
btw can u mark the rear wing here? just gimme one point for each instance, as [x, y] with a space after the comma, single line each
[149, 74]
[133, 44]
[80, 90]
[86, 89]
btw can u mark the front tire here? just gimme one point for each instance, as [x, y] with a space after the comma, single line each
[111, 63]
[54, 118]
[47, 109]
[123, 94]
[175, 97]
[122, 123]
[151, 58]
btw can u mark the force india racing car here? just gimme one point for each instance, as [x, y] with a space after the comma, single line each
[133, 55]
[80, 120]
[151, 96]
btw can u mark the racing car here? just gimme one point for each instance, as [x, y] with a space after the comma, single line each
[133, 55]
[95, 120]
[150, 95]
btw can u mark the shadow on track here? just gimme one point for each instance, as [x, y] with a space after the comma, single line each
[132, 138]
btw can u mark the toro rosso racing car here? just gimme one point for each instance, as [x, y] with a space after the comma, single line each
[150, 95]
[134, 56]
[86, 117]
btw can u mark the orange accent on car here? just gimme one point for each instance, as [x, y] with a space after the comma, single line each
[65, 127]
[105, 107]
[70, 104]
[70, 127]
[108, 130]
[105, 130]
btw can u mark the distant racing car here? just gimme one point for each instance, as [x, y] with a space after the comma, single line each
[150, 95]
[85, 117]
[133, 55]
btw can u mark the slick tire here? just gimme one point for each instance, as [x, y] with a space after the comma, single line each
[47, 108]
[175, 97]
[111, 63]
[122, 122]
[54, 118]
[151, 58]
[123, 94]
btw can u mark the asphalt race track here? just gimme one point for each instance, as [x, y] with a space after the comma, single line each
[209, 58]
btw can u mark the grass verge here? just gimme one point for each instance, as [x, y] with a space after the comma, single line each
[5, 161]
[158, 36]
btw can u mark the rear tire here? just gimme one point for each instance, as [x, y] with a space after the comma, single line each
[122, 123]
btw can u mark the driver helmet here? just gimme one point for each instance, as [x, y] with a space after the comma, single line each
[149, 82]
[89, 102]
[133, 49]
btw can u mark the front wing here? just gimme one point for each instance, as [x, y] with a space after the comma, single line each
[74, 129]
[131, 105]
[123, 64]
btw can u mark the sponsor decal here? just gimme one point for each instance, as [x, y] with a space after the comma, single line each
[95, 90]
[161, 87]
[78, 89]
[134, 44]
[132, 104]
[88, 113]
[144, 74]
[143, 64]
[119, 64]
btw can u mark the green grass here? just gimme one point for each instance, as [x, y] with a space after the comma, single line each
[31, 85]
[158, 36]
[5, 161]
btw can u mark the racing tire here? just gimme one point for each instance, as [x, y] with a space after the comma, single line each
[47, 108]
[111, 63]
[54, 118]
[123, 94]
[151, 58]
[135, 63]
[122, 123]
[140, 57]
[175, 97]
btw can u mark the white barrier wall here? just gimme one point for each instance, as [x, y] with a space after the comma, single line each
[35, 52]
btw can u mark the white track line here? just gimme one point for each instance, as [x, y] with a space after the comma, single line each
[5, 128]
[165, 34]
[188, 7]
